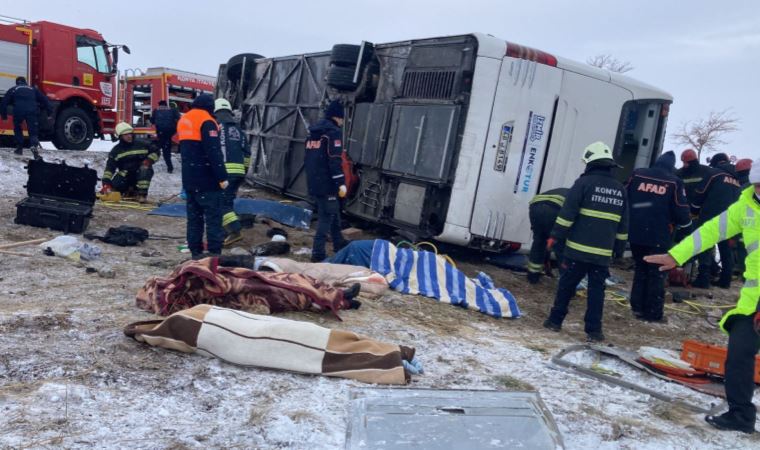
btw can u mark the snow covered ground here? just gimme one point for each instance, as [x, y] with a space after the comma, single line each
[69, 378]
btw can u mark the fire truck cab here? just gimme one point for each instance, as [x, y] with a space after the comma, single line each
[74, 67]
[141, 92]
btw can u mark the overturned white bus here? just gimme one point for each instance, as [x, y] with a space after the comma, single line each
[452, 136]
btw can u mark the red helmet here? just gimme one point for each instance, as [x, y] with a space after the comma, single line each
[743, 165]
[689, 155]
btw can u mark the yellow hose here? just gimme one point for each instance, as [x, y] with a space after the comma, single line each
[127, 205]
[435, 249]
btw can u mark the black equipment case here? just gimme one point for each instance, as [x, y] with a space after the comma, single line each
[60, 197]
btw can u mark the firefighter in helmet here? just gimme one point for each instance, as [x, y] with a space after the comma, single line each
[129, 168]
[237, 158]
[593, 227]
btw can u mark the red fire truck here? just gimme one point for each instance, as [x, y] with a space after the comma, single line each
[139, 93]
[74, 67]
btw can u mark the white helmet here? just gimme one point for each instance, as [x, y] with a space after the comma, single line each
[222, 103]
[123, 128]
[597, 151]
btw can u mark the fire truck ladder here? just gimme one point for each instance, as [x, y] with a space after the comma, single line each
[121, 106]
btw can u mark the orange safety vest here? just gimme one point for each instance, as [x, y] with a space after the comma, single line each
[189, 126]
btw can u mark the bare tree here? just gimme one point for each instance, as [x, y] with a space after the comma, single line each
[609, 62]
[706, 134]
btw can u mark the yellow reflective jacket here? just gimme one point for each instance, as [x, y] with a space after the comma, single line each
[741, 217]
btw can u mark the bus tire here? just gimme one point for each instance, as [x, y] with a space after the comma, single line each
[73, 129]
[235, 65]
[342, 78]
[344, 55]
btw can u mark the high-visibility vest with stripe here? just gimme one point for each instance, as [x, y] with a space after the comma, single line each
[189, 126]
[741, 217]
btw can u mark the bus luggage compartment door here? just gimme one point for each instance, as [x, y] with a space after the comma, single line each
[516, 146]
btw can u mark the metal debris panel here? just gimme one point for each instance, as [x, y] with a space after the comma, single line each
[449, 419]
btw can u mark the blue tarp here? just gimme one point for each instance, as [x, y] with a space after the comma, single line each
[284, 214]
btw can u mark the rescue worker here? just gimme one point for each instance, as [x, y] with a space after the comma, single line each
[742, 323]
[692, 173]
[165, 120]
[204, 178]
[717, 191]
[325, 178]
[129, 168]
[27, 102]
[743, 167]
[237, 157]
[543, 212]
[593, 225]
[657, 205]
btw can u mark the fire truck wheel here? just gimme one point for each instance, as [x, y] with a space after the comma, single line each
[342, 78]
[73, 129]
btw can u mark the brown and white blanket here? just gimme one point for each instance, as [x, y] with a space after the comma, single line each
[205, 282]
[271, 342]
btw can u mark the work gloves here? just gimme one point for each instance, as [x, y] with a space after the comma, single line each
[105, 189]
[224, 184]
[147, 163]
[550, 243]
[342, 191]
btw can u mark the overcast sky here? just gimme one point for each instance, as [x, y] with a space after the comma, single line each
[705, 53]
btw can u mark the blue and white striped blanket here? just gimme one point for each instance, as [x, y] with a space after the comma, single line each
[419, 272]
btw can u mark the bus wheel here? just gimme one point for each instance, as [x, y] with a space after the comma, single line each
[73, 129]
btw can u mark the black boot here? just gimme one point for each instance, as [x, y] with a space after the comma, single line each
[352, 291]
[702, 282]
[549, 325]
[595, 336]
[727, 421]
[534, 277]
[19, 150]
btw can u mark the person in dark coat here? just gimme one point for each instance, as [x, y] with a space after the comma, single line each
[716, 192]
[657, 206]
[165, 120]
[204, 177]
[593, 226]
[27, 101]
[743, 166]
[543, 212]
[692, 173]
[325, 178]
